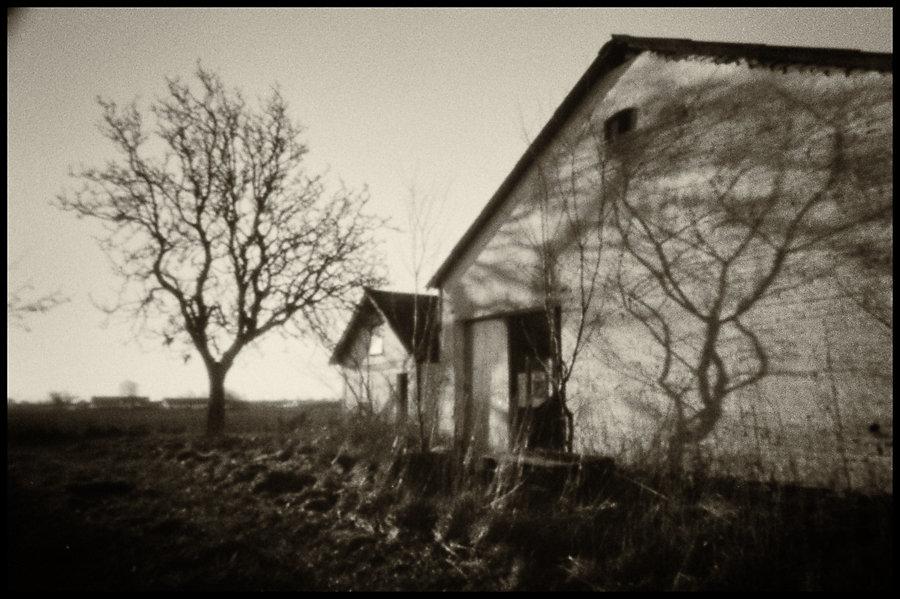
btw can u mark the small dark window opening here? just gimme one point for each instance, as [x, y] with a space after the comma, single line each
[620, 123]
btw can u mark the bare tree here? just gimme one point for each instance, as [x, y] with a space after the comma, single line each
[128, 388]
[424, 219]
[219, 234]
[61, 399]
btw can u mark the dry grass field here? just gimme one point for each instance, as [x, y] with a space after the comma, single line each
[313, 499]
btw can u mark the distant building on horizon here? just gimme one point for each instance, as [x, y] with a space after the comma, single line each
[192, 403]
[196, 403]
[120, 401]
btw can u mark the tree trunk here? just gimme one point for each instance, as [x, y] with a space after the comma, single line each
[568, 423]
[675, 458]
[688, 434]
[215, 419]
[420, 412]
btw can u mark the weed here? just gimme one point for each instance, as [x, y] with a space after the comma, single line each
[339, 504]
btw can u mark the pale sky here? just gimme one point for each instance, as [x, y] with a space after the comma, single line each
[439, 99]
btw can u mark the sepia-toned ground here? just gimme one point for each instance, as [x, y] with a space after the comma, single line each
[111, 509]
[306, 500]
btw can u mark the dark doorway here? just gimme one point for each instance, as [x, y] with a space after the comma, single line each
[402, 397]
[536, 416]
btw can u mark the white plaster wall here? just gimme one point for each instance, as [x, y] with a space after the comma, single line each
[831, 363]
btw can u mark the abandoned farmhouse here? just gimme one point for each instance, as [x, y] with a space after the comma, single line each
[388, 352]
[692, 260]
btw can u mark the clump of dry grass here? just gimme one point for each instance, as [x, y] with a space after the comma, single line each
[339, 503]
[649, 531]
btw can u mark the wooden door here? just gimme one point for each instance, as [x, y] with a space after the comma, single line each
[488, 385]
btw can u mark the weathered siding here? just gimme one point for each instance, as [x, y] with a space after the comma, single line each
[829, 359]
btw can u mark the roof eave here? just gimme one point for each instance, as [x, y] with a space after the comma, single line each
[765, 54]
[339, 347]
[614, 53]
[407, 344]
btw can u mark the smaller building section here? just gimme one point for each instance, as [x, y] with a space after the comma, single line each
[388, 357]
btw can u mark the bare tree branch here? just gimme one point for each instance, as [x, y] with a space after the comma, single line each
[22, 302]
[216, 229]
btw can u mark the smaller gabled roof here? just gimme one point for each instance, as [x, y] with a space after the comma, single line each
[413, 317]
